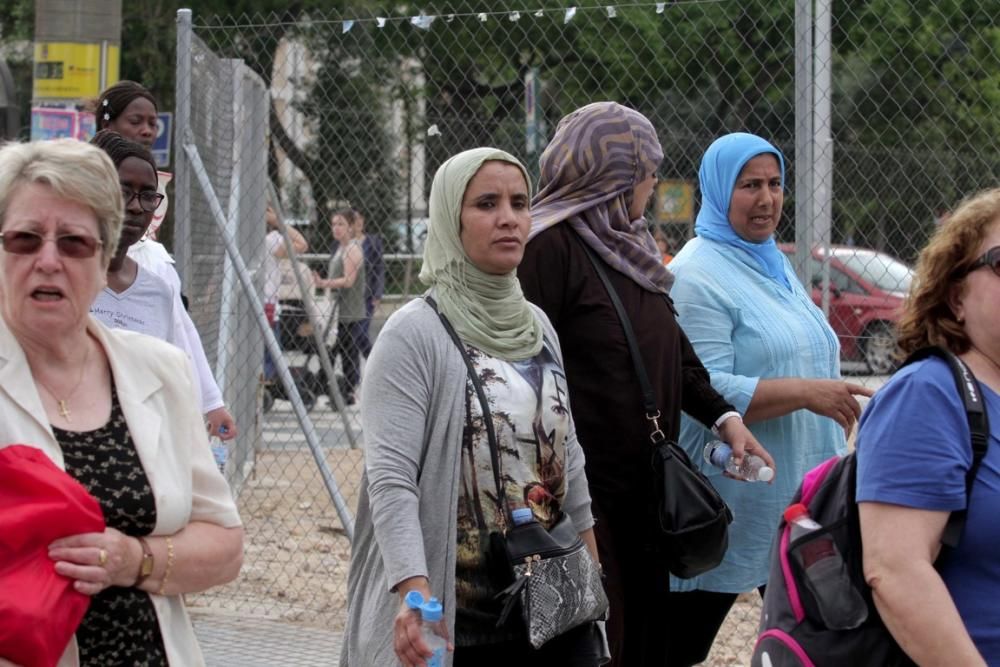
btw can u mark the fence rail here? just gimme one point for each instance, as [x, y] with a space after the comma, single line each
[885, 111]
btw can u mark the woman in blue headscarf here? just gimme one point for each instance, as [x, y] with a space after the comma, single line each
[770, 352]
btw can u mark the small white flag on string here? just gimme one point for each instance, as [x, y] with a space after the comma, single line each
[433, 131]
[515, 16]
[482, 17]
[570, 13]
[423, 21]
[451, 17]
[539, 14]
[347, 27]
[380, 21]
[660, 6]
[612, 12]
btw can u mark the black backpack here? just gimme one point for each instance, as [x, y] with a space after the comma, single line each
[791, 631]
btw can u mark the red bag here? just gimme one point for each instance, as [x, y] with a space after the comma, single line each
[39, 503]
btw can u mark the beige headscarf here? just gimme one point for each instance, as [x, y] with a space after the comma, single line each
[488, 311]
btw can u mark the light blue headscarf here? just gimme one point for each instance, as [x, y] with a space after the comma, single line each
[720, 167]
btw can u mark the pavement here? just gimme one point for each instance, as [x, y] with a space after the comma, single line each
[229, 640]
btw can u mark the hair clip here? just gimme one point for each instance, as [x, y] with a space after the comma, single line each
[107, 116]
[104, 103]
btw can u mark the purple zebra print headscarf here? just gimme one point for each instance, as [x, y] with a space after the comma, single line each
[589, 170]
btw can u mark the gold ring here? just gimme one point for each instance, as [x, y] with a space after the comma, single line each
[102, 557]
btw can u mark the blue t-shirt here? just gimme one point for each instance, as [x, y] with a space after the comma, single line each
[914, 450]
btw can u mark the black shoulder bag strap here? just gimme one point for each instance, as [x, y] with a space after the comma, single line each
[656, 435]
[484, 406]
[979, 427]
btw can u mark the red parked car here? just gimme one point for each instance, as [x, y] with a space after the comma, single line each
[867, 288]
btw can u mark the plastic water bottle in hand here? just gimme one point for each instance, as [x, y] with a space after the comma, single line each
[840, 604]
[431, 614]
[753, 468]
[221, 453]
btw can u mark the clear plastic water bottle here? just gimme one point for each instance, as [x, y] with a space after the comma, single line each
[840, 604]
[221, 453]
[430, 614]
[753, 468]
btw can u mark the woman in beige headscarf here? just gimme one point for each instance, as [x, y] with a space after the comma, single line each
[428, 498]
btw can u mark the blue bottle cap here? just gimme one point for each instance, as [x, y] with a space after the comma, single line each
[431, 610]
[522, 515]
[414, 599]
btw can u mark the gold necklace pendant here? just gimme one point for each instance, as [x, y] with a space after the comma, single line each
[62, 403]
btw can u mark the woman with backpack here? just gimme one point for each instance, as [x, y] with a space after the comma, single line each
[914, 454]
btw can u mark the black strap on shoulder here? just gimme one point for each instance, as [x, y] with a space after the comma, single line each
[656, 435]
[979, 428]
[484, 405]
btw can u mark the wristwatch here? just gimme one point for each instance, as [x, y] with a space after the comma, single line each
[146, 565]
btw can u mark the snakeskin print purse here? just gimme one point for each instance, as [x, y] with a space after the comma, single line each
[556, 582]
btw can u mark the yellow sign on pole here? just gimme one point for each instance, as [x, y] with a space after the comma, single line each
[675, 201]
[69, 70]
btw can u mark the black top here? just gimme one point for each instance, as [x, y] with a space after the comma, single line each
[120, 627]
[604, 393]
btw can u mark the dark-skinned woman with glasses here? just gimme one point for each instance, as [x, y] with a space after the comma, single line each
[115, 409]
[135, 298]
[914, 454]
[130, 109]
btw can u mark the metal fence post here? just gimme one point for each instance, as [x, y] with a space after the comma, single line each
[182, 132]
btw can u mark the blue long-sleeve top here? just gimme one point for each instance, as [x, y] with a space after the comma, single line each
[746, 326]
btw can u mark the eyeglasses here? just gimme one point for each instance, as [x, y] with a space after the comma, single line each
[75, 246]
[990, 258]
[149, 200]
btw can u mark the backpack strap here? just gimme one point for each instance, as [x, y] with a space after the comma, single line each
[975, 411]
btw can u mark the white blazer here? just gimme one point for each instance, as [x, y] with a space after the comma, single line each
[156, 391]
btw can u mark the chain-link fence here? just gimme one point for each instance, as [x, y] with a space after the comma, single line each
[885, 111]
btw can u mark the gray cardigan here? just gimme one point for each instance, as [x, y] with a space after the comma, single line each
[413, 414]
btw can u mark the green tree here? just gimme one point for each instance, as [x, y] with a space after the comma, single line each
[918, 84]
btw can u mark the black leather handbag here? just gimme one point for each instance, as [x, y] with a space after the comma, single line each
[551, 574]
[694, 519]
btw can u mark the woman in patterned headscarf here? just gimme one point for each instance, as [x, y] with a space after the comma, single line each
[429, 500]
[596, 178]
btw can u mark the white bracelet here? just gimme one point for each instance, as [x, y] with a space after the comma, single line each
[722, 418]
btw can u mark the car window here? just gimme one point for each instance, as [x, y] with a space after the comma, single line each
[838, 279]
[882, 270]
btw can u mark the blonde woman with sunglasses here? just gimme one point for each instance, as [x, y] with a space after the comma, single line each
[914, 454]
[113, 408]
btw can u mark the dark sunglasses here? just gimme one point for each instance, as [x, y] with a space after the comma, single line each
[990, 258]
[149, 200]
[76, 246]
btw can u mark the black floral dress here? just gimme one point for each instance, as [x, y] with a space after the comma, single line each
[120, 627]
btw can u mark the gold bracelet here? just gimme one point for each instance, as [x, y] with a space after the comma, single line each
[170, 564]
